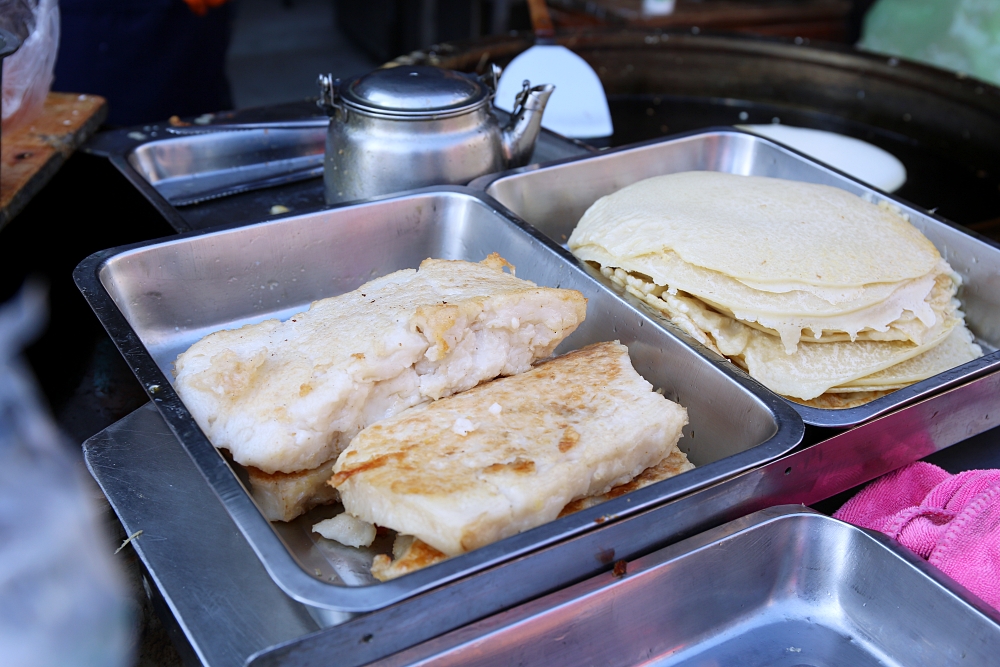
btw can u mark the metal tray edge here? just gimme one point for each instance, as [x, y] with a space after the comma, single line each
[880, 446]
[664, 558]
[828, 418]
[279, 562]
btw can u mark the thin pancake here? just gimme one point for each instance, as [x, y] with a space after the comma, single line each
[899, 311]
[771, 233]
[812, 370]
[830, 401]
[958, 348]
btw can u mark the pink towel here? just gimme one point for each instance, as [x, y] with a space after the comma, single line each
[953, 521]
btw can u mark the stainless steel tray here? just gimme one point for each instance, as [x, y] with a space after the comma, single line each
[229, 608]
[784, 586]
[203, 165]
[553, 197]
[194, 168]
[156, 299]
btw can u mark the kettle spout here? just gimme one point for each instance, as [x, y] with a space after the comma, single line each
[525, 123]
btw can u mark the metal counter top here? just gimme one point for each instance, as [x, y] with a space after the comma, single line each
[231, 612]
[218, 592]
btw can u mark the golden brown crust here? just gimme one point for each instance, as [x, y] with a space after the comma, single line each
[283, 496]
[287, 396]
[507, 455]
[418, 556]
[843, 401]
[533, 410]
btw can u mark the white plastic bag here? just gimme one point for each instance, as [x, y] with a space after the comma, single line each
[27, 75]
[62, 601]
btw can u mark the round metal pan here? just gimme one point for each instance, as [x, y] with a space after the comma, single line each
[943, 126]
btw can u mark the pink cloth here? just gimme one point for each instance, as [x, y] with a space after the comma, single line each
[953, 521]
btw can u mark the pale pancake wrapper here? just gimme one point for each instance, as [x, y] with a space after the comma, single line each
[809, 288]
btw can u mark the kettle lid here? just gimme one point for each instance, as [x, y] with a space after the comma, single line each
[414, 90]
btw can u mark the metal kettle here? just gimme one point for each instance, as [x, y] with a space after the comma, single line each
[407, 127]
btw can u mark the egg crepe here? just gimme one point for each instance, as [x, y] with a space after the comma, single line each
[285, 398]
[957, 348]
[509, 455]
[805, 236]
[886, 312]
[816, 368]
[860, 318]
[789, 256]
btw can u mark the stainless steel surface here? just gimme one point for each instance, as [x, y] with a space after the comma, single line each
[242, 165]
[195, 168]
[151, 481]
[271, 176]
[407, 127]
[553, 197]
[156, 299]
[423, 91]
[219, 594]
[783, 586]
[208, 128]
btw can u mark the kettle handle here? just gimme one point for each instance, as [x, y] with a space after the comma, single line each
[328, 94]
[492, 77]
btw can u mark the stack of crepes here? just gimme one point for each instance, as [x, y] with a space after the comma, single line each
[821, 296]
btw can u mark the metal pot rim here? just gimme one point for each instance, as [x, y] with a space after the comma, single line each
[414, 114]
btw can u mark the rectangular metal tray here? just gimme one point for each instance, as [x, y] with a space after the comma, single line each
[156, 299]
[784, 586]
[154, 486]
[553, 198]
[195, 171]
[190, 169]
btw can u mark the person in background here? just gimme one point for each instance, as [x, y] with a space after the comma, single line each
[151, 59]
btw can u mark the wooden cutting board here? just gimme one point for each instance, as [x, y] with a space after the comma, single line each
[31, 155]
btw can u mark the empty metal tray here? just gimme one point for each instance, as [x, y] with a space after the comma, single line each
[554, 197]
[156, 299]
[194, 168]
[180, 170]
[781, 587]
